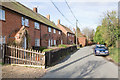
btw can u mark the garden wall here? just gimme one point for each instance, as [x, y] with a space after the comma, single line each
[55, 55]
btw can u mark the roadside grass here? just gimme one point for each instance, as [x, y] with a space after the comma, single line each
[45, 50]
[113, 53]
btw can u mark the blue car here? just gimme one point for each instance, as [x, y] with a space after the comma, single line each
[101, 50]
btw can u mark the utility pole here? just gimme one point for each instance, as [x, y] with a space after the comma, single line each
[76, 31]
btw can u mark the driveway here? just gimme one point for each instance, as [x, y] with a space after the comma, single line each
[83, 64]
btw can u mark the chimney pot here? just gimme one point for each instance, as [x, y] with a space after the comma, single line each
[35, 9]
[58, 21]
[48, 16]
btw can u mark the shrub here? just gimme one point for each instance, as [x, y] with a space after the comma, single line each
[42, 48]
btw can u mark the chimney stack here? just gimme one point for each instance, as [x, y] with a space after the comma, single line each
[35, 9]
[48, 16]
[58, 21]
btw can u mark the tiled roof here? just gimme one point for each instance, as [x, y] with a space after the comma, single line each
[67, 29]
[18, 7]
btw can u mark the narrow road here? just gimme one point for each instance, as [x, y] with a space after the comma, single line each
[83, 64]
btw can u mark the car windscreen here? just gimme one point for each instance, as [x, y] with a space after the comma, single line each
[100, 46]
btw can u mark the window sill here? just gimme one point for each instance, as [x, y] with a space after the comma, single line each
[25, 26]
[37, 29]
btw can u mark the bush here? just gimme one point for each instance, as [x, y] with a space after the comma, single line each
[42, 48]
[39, 48]
[62, 45]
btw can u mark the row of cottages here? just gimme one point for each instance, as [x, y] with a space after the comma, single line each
[27, 28]
[68, 35]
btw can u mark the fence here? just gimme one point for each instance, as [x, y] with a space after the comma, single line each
[19, 56]
[55, 55]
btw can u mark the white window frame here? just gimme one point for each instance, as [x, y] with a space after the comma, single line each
[25, 22]
[2, 14]
[54, 31]
[55, 42]
[59, 32]
[49, 29]
[37, 42]
[36, 24]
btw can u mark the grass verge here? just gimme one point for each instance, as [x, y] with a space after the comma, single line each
[113, 53]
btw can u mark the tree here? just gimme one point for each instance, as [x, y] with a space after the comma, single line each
[108, 32]
[98, 36]
[89, 33]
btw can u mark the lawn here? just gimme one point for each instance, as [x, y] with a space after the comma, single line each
[114, 54]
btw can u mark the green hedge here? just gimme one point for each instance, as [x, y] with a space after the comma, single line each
[114, 54]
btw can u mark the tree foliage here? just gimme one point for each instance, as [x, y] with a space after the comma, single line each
[108, 32]
[89, 33]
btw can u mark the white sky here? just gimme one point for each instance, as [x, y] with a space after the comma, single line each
[88, 12]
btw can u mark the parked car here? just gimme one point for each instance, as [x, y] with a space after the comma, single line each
[101, 50]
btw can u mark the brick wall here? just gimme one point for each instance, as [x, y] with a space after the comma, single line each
[71, 39]
[45, 36]
[82, 40]
[64, 34]
[66, 39]
[13, 22]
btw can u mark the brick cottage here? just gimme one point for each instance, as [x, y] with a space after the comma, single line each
[68, 36]
[26, 27]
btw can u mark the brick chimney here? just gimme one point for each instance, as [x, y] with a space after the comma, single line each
[35, 9]
[58, 21]
[48, 16]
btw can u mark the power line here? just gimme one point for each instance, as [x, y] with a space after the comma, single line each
[61, 12]
[71, 11]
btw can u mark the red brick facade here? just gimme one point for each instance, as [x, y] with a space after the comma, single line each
[67, 35]
[13, 23]
[82, 40]
[45, 36]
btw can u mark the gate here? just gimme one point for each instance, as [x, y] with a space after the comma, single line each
[22, 57]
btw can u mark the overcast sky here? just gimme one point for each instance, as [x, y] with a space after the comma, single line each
[88, 12]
